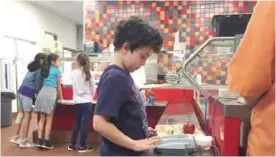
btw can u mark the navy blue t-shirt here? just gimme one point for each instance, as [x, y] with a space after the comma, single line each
[119, 99]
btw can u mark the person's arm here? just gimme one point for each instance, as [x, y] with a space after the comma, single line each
[60, 96]
[111, 93]
[92, 85]
[59, 86]
[103, 126]
[38, 81]
[250, 73]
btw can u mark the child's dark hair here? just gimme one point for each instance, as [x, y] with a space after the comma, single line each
[83, 60]
[47, 63]
[137, 33]
[36, 63]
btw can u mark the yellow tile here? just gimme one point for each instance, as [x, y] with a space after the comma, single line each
[162, 15]
[158, 9]
[201, 38]
[170, 43]
[223, 73]
[166, 60]
[200, 69]
[182, 45]
[105, 43]
[214, 69]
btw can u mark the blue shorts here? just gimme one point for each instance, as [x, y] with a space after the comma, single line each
[25, 103]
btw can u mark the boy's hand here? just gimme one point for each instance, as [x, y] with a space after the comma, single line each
[152, 132]
[146, 144]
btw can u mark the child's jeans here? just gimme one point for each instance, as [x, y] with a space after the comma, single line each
[83, 112]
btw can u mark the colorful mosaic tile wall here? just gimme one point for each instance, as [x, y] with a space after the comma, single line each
[212, 72]
[191, 18]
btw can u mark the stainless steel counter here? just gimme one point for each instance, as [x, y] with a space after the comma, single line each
[231, 108]
[173, 86]
[181, 86]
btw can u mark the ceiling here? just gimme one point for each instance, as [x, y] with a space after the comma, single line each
[71, 10]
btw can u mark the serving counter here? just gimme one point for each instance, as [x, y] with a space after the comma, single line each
[173, 107]
[64, 118]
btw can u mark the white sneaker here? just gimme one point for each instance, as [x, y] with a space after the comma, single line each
[15, 139]
[26, 144]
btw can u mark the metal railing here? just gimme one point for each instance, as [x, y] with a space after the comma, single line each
[198, 53]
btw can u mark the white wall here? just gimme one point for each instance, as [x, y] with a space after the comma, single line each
[22, 19]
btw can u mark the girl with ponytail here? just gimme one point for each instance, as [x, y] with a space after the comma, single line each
[83, 91]
[46, 99]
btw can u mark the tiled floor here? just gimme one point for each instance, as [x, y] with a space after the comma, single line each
[9, 149]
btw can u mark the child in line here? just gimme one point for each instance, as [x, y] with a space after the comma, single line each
[83, 91]
[120, 116]
[29, 88]
[46, 100]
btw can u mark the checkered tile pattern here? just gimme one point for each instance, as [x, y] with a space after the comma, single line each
[212, 72]
[166, 60]
[191, 18]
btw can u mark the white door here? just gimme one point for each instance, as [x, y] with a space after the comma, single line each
[25, 54]
[8, 75]
[15, 56]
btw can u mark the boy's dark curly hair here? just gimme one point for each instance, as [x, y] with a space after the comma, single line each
[137, 33]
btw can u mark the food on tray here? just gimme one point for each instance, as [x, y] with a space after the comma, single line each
[165, 130]
[188, 128]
